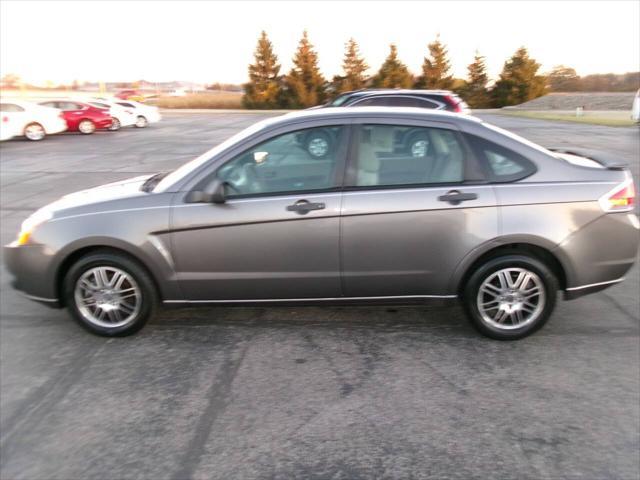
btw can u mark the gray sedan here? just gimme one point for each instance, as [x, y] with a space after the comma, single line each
[404, 205]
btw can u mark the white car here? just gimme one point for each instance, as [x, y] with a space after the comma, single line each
[122, 116]
[20, 118]
[145, 114]
[635, 110]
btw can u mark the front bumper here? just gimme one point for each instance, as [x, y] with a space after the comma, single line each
[28, 265]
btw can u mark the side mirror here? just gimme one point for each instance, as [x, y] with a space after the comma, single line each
[213, 193]
[260, 157]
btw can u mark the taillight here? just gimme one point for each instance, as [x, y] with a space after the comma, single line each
[454, 103]
[620, 199]
[5, 119]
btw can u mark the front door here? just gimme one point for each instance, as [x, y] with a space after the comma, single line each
[409, 213]
[277, 235]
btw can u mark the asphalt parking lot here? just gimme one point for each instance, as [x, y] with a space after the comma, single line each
[313, 393]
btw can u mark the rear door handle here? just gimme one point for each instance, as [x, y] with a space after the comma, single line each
[303, 206]
[454, 197]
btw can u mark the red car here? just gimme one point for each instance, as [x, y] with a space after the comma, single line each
[81, 117]
[127, 94]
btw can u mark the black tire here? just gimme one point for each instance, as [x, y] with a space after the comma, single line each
[115, 125]
[142, 122]
[471, 290]
[319, 144]
[104, 258]
[89, 128]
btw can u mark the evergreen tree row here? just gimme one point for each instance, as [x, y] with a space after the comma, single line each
[305, 86]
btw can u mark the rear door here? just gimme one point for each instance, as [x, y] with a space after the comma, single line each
[410, 215]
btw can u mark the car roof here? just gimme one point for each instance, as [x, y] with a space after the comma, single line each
[382, 112]
[396, 91]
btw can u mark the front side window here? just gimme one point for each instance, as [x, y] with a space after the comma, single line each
[504, 165]
[305, 160]
[10, 107]
[390, 155]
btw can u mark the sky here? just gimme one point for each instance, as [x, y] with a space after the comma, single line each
[214, 41]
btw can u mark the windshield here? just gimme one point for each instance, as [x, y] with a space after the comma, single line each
[339, 100]
[189, 167]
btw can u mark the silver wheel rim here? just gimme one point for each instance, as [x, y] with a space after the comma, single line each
[419, 148]
[108, 297]
[141, 122]
[511, 298]
[115, 124]
[86, 126]
[318, 147]
[34, 132]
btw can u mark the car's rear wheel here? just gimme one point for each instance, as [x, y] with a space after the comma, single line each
[141, 121]
[109, 294]
[86, 127]
[318, 144]
[115, 124]
[510, 297]
[34, 132]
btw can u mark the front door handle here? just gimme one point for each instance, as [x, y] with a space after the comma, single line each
[454, 197]
[302, 207]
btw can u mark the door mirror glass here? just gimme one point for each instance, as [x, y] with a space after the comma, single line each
[215, 192]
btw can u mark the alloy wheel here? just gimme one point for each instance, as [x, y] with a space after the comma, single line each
[34, 132]
[511, 298]
[108, 297]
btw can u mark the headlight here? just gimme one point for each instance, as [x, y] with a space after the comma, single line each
[29, 225]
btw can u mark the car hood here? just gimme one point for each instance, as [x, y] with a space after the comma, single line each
[111, 191]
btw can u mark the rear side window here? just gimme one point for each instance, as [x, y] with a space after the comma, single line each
[389, 155]
[502, 164]
[126, 104]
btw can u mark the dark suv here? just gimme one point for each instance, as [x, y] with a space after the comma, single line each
[320, 144]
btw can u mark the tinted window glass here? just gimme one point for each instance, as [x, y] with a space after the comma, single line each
[124, 104]
[299, 161]
[372, 102]
[411, 102]
[504, 165]
[51, 104]
[401, 155]
[10, 107]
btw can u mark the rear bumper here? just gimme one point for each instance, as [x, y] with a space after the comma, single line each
[103, 123]
[601, 253]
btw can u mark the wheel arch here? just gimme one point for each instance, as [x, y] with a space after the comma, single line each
[74, 254]
[539, 249]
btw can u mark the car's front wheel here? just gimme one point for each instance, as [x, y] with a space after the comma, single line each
[318, 144]
[109, 294]
[86, 127]
[510, 297]
[34, 132]
[141, 121]
[115, 124]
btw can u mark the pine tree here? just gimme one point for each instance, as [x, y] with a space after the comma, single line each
[393, 73]
[305, 85]
[474, 90]
[519, 81]
[263, 88]
[563, 79]
[354, 68]
[435, 68]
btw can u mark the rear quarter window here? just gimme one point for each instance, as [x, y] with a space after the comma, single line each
[500, 163]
